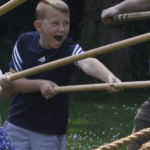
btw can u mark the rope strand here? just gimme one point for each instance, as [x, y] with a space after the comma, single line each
[126, 141]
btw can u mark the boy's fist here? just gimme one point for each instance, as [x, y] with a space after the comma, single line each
[5, 81]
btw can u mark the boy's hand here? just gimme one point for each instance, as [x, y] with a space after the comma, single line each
[111, 80]
[5, 81]
[47, 89]
[108, 14]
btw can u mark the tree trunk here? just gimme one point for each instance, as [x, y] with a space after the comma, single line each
[96, 34]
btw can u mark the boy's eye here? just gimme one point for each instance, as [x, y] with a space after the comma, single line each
[55, 23]
[66, 23]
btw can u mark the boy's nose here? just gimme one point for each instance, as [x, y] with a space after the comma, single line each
[61, 28]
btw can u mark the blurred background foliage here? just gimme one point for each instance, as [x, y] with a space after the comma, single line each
[21, 19]
[139, 53]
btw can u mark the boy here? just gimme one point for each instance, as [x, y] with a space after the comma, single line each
[38, 116]
[6, 90]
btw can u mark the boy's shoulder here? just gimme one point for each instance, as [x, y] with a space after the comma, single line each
[30, 34]
[28, 37]
[69, 42]
[70, 47]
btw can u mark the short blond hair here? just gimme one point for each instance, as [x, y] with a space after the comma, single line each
[57, 4]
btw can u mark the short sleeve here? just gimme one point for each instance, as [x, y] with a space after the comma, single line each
[77, 50]
[17, 54]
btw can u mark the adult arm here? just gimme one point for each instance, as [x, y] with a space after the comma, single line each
[126, 6]
[94, 68]
[24, 85]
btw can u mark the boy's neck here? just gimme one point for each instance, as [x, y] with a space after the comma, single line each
[44, 44]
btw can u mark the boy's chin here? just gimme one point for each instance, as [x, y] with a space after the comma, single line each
[56, 47]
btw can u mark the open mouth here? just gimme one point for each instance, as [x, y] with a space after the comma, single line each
[58, 38]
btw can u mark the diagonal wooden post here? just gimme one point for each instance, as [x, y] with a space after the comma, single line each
[131, 16]
[102, 86]
[10, 5]
[90, 53]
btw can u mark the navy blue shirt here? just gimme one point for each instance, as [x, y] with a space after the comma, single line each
[31, 110]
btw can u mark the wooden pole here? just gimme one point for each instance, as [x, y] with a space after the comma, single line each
[98, 87]
[9, 6]
[131, 16]
[90, 53]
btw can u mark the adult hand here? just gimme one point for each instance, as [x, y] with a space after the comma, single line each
[111, 80]
[108, 14]
[5, 81]
[47, 89]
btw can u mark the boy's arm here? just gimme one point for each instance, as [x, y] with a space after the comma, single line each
[126, 6]
[24, 85]
[95, 68]
[5, 93]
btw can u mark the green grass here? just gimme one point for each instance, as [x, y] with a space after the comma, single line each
[4, 109]
[100, 118]
[96, 118]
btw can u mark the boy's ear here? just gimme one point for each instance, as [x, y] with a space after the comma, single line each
[37, 25]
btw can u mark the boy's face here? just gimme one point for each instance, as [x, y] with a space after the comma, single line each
[54, 28]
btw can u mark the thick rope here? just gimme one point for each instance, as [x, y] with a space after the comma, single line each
[127, 140]
[145, 146]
